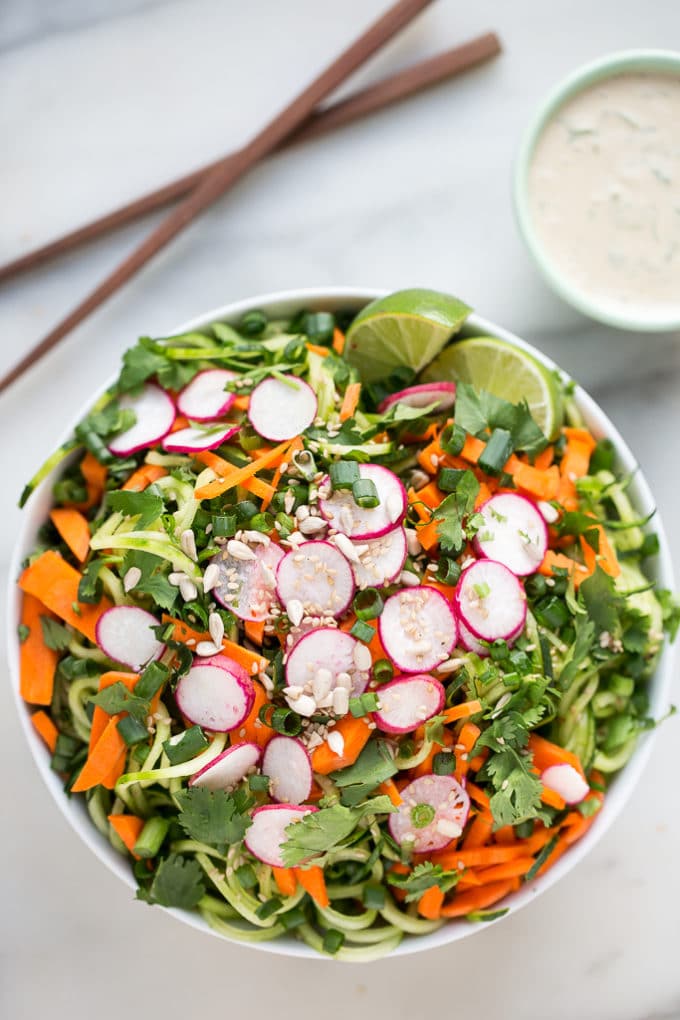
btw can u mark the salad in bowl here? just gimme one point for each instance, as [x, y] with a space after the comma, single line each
[340, 620]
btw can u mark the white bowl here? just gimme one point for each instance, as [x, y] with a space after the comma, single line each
[281, 305]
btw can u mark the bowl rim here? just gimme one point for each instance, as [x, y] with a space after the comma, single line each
[74, 810]
[607, 66]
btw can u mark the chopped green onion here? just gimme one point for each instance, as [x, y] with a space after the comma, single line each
[283, 720]
[448, 478]
[344, 473]
[365, 493]
[292, 918]
[496, 452]
[151, 680]
[258, 783]
[383, 671]
[332, 941]
[190, 744]
[131, 730]
[499, 650]
[247, 509]
[373, 896]
[551, 612]
[535, 586]
[249, 439]
[152, 835]
[362, 632]
[305, 463]
[253, 323]
[246, 877]
[367, 604]
[263, 522]
[448, 571]
[225, 525]
[444, 763]
[363, 704]
[319, 326]
[286, 525]
[268, 908]
[482, 590]
[452, 439]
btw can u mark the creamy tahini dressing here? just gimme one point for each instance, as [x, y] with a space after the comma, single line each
[604, 194]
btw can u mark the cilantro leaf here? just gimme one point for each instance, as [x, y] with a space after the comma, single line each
[452, 530]
[177, 883]
[154, 581]
[89, 586]
[214, 816]
[323, 830]
[578, 652]
[374, 765]
[602, 602]
[55, 635]
[99, 426]
[479, 410]
[670, 607]
[146, 505]
[423, 877]
[117, 698]
[517, 795]
[139, 364]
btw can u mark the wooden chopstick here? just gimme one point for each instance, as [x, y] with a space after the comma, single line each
[227, 171]
[359, 104]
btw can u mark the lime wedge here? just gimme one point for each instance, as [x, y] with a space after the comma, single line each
[506, 371]
[409, 327]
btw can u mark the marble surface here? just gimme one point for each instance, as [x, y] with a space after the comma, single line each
[102, 98]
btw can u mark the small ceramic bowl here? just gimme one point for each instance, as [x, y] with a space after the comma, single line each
[284, 305]
[663, 61]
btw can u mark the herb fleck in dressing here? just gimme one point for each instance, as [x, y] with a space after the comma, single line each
[604, 192]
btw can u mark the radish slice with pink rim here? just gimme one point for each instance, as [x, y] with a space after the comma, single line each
[470, 643]
[433, 812]
[359, 522]
[318, 577]
[267, 834]
[228, 769]
[195, 440]
[155, 413]
[514, 533]
[289, 767]
[217, 694]
[490, 601]
[321, 662]
[566, 781]
[441, 394]
[379, 560]
[247, 587]
[408, 701]
[282, 410]
[417, 629]
[205, 398]
[125, 634]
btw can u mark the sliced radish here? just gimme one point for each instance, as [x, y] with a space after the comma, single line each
[267, 834]
[346, 516]
[379, 561]
[217, 694]
[155, 413]
[193, 440]
[490, 601]
[469, 642]
[247, 586]
[125, 634]
[205, 398]
[318, 577]
[228, 769]
[324, 669]
[417, 628]
[433, 812]
[514, 533]
[282, 410]
[407, 701]
[289, 768]
[441, 394]
[566, 781]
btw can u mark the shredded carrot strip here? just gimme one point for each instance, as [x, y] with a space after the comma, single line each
[462, 711]
[269, 459]
[338, 340]
[323, 352]
[44, 726]
[350, 401]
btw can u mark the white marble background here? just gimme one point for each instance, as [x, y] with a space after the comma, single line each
[102, 98]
